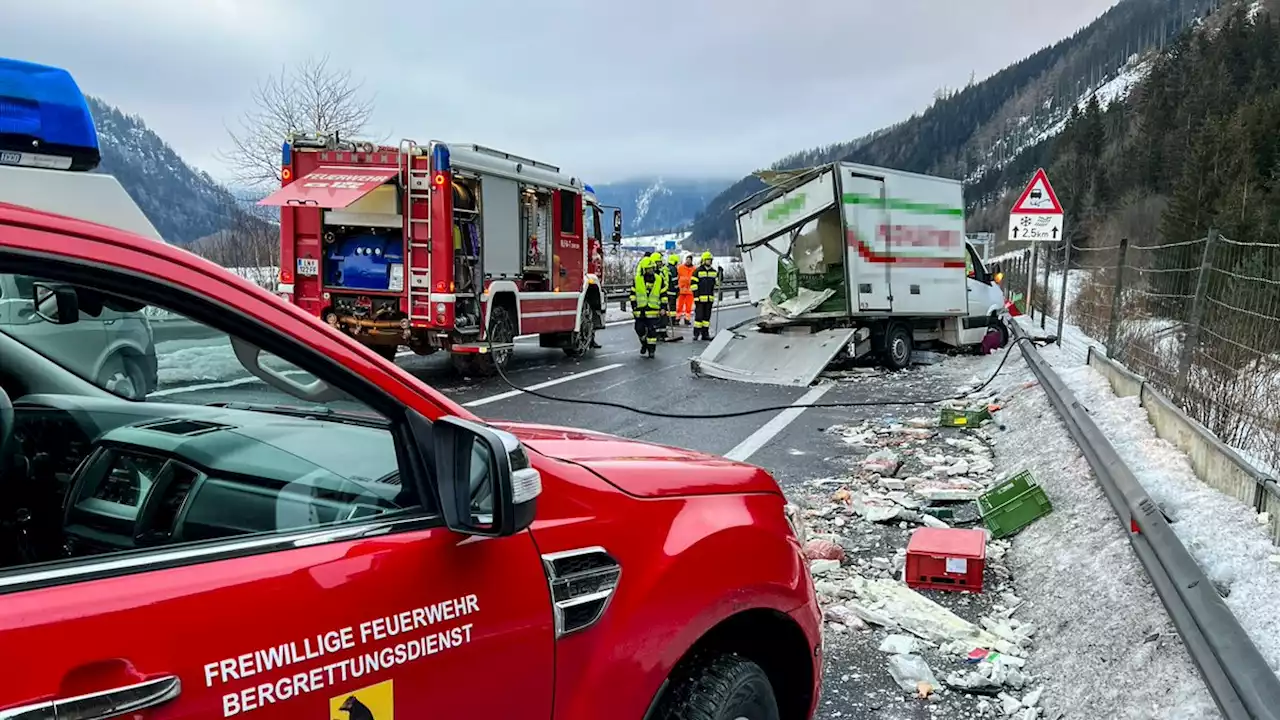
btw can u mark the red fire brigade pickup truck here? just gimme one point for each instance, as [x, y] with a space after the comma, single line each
[444, 247]
[319, 534]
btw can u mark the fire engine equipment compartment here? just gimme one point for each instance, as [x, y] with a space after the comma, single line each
[369, 260]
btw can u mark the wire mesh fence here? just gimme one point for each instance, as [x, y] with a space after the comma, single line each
[1200, 320]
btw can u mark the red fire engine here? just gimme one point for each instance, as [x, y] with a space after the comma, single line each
[440, 247]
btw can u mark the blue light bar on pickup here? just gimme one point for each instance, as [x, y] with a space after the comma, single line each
[44, 119]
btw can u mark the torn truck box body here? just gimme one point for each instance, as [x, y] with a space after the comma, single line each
[852, 247]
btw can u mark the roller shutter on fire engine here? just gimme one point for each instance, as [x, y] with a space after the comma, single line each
[330, 187]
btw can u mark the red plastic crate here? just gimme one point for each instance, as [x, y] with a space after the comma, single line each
[946, 559]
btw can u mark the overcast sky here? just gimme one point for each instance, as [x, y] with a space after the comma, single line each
[608, 89]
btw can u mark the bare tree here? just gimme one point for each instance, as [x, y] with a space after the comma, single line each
[310, 97]
[249, 247]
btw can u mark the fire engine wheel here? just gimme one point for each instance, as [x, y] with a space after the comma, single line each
[387, 351]
[897, 346]
[728, 687]
[502, 329]
[580, 341]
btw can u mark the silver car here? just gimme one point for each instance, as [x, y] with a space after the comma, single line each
[112, 348]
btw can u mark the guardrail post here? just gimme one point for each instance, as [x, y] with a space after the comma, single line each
[1113, 324]
[1192, 338]
[1062, 298]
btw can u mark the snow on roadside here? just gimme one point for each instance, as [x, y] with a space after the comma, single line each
[202, 360]
[1106, 646]
[1221, 533]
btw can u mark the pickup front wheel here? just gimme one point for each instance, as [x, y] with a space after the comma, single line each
[725, 687]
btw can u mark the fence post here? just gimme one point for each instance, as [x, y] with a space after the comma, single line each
[1031, 283]
[1045, 310]
[1192, 338]
[1113, 324]
[1062, 297]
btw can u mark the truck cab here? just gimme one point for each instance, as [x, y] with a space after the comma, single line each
[321, 532]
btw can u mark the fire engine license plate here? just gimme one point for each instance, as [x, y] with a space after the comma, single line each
[308, 267]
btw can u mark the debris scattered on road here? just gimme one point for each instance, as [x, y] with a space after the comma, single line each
[899, 645]
[907, 475]
[912, 674]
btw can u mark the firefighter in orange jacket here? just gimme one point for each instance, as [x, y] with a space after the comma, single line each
[684, 301]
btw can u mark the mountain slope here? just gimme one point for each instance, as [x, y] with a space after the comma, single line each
[183, 203]
[653, 205]
[991, 122]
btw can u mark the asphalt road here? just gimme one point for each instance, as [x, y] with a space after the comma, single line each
[781, 441]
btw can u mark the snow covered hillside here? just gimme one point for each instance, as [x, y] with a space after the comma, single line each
[652, 205]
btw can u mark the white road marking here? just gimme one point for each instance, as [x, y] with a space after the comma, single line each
[539, 386]
[769, 430]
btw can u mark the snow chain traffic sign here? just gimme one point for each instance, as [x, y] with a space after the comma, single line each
[1037, 216]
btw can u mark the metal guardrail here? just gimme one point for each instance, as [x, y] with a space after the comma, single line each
[1237, 676]
[620, 295]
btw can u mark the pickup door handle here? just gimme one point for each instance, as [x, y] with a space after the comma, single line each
[101, 705]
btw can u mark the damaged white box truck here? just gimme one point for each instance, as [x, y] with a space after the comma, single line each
[848, 260]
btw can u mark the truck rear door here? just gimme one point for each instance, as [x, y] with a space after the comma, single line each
[763, 230]
[867, 225]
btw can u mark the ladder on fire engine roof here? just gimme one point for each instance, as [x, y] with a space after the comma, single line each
[417, 186]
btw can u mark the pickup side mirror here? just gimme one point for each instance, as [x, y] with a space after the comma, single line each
[487, 486]
[56, 303]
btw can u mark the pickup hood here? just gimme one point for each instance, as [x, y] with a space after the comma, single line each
[644, 469]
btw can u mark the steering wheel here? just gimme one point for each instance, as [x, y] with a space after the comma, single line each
[6, 429]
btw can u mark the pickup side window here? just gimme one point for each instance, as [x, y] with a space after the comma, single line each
[184, 433]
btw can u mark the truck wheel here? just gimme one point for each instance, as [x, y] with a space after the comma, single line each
[387, 351]
[897, 346]
[502, 329]
[728, 687]
[998, 325]
[580, 341]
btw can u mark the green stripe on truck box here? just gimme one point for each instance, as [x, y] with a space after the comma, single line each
[903, 205]
[786, 207]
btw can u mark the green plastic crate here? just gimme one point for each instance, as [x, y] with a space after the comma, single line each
[1013, 505]
[953, 417]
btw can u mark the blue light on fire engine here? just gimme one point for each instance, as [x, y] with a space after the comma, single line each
[286, 154]
[589, 189]
[440, 157]
[44, 119]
